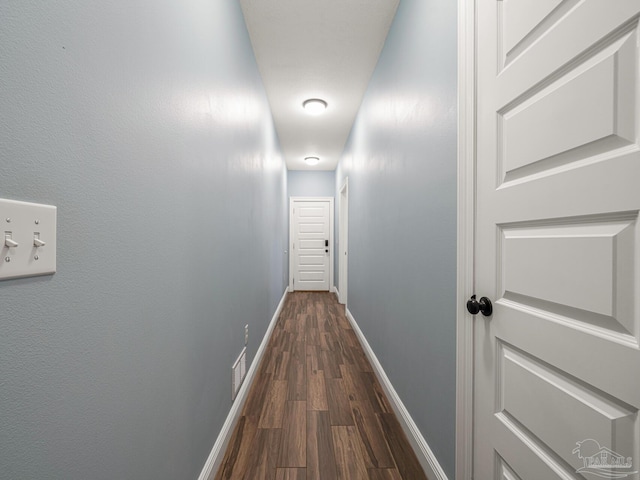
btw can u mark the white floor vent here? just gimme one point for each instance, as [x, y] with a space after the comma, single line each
[238, 371]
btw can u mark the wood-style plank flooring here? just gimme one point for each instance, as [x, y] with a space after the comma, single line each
[316, 410]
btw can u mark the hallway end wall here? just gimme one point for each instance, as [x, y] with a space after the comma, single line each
[311, 183]
[149, 128]
[401, 163]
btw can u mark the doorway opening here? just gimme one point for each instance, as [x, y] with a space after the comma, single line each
[343, 242]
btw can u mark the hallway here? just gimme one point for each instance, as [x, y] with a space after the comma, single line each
[315, 409]
[152, 133]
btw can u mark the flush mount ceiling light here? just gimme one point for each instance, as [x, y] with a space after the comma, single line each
[314, 106]
[311, 160]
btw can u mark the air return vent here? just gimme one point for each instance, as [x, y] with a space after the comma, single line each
[238, 371]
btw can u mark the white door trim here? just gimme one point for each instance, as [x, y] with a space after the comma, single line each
[465, 236]
[292, 200]
[343, 241]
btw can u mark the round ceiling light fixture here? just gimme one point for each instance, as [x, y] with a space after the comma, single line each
[311, 160]
[314, 106]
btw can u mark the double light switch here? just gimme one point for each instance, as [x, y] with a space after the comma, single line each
[29, 246]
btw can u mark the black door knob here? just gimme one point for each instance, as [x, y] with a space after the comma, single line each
[484, 305]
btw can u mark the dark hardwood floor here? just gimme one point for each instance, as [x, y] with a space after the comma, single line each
[316, 410]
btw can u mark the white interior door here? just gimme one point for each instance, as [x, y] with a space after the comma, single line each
[311, 243]
[557, 365]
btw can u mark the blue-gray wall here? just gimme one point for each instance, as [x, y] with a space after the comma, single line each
[312, 183]
[401, 164]
[146, 123]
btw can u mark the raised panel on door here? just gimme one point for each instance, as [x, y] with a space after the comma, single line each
[504, 471]
[584, 114]
[579, 270]
[557, 242]
[564, 408]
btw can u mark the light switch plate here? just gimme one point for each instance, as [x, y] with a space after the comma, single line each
[22, 222]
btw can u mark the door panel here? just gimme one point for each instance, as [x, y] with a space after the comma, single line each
[559, 399]
[505, 472]
[557, 238]
[596, 98]
[311, 231]
[579, 270]
[522, 18]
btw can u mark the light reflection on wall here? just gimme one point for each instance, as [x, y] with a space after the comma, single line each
[225, 109]
[405, 111]
[238, 114]
[234, 109]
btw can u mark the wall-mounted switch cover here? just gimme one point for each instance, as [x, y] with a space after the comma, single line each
[28, 239]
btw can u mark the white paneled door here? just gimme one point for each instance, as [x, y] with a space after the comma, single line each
[311, 242]
[557, 364]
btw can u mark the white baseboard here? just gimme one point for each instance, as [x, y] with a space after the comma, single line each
[224, 437]
[425, 455]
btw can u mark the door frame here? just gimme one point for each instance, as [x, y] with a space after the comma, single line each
[343, 241]
[292, 200]
[465, 235]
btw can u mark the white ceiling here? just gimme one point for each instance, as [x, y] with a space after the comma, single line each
[316, 49]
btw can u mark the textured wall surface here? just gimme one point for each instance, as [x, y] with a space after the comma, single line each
[401, 164]
[311, 183]
[147, 125]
